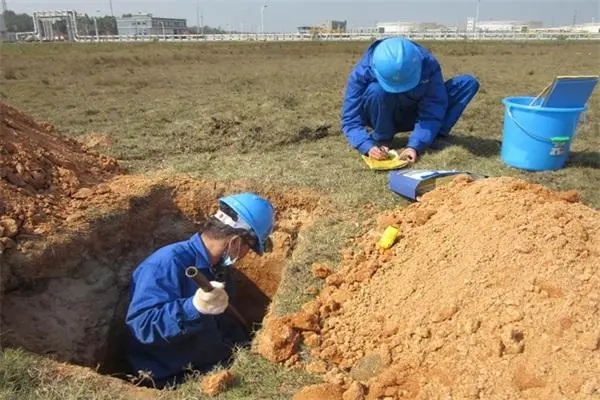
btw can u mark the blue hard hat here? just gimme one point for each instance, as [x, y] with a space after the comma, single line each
[255, 211]
[397, 64]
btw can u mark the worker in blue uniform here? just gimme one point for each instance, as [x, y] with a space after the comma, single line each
[398, 86]
[173, 325]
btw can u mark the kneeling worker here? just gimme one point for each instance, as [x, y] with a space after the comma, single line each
[173, 324]
[397, 86]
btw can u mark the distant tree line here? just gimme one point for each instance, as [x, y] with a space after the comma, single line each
[107, 25]
[206, 30]
[18, 22]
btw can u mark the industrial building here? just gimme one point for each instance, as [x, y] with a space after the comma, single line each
[502, 26]
[147, 25]
[406, 27]
[590, 27]
[331, 26]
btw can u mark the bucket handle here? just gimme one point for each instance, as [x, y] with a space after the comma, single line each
[553, 140]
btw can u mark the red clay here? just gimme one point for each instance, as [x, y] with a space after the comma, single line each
[492, 291]
[41, 173]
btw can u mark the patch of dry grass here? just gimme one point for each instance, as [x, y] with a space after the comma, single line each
[269, 112]
[221, 109]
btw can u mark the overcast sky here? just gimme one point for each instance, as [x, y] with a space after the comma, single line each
[286, 15]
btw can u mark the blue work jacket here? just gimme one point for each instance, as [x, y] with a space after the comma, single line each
[429, 95]
[167, 333]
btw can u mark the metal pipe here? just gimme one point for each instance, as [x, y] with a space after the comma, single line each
[96, 28]
[204, 284]
[201, 280]
[262, 18]
[163, 29]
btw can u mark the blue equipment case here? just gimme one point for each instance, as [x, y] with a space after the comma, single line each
[412, 184]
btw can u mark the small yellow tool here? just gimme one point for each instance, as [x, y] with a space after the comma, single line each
[392, 162]
[387, 240]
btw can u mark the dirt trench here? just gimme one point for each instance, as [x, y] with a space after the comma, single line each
[65, 295]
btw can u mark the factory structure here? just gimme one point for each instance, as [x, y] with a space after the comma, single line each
[329, 27]
[502, 26]
[527, 26]
[148, 25]
[72, 25]
[406, 27]
[339, 27]
[589, 27]
[473, 25]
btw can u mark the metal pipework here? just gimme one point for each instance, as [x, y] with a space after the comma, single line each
[204, 284]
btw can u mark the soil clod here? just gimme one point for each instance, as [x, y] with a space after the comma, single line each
[217, 382]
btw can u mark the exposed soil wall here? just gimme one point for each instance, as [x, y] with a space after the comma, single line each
[65, 289]
[73, 228]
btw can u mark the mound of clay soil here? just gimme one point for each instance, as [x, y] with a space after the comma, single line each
[40, 172]
[492, 291]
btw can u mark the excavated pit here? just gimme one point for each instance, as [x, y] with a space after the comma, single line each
[65, 296]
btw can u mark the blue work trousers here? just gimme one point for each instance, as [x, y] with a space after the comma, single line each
[389, 113]
[213, 353]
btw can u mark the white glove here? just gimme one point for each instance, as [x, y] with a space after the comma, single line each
[211, 303]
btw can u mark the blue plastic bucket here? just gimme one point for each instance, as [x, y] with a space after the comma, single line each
[537, 138]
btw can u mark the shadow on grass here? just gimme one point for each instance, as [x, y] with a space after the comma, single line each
[586, 159]
[476, 145]
[484, 147]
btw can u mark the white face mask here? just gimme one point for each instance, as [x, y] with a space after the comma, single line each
[227, 260]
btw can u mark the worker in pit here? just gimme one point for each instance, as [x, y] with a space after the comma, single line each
[397, 86]
[172, 324]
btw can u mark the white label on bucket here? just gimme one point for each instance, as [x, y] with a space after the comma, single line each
[557, 149]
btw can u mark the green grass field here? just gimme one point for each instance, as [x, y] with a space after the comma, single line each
[267, 113]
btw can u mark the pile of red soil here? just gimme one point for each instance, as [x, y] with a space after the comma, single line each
[491, 291]
[40, 172]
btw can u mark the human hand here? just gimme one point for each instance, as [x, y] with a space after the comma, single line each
[378, 152]
[213, 302]
[409, 155]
